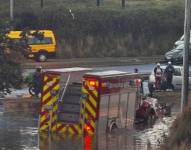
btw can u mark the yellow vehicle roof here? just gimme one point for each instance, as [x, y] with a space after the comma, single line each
[16, 34]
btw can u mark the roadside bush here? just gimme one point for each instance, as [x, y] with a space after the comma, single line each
[180, 133]
[98, 32]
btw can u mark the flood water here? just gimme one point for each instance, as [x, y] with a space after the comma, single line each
[19, 132]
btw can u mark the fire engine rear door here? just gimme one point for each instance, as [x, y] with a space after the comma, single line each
[69, 107]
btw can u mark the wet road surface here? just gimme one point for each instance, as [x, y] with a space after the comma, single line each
[20, 132]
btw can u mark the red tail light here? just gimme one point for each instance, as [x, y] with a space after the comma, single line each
[92, 82]
[87, 128]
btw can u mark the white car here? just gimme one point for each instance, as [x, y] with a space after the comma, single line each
[177, 77]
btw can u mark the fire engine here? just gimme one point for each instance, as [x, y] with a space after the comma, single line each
[81, 101]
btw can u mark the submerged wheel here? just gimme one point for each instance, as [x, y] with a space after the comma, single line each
[112, 127]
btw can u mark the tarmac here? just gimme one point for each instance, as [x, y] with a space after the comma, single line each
[92, 62]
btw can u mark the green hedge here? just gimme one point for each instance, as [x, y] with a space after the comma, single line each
[99, 32]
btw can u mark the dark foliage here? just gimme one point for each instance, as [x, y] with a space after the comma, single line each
[109, 32]
[11, 56]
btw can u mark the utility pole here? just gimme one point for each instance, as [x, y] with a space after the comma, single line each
[98, 2]
[11, 10]
[42, 3]
[123, 3]
[185, 80]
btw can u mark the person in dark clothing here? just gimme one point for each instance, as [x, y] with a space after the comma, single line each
[151, 89]
[169, 71]
[136, 70]
[38, 81]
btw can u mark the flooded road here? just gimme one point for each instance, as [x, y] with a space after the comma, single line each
[19, 132]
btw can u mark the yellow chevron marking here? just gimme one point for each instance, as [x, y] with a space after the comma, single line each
[90, 110]
[95, 92]
[55, 105]
[54, 118]
[77, 127]
[90, 97]
[53, 100]
[43, 117]
[81, 121]
[44, 127]
[60, 124]
[45, 87]
[46, 96]
[53, 128]
[84, 90]
[70, 130]
[90, 132]
[56, 87]
[45, 78]
[93, 101]
[91, 121]
[86, 115]
[92, 124]
[63, 130]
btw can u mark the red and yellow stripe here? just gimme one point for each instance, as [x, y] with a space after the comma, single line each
[49, 108]
[48, 99]
[89, 114]
[68, 129]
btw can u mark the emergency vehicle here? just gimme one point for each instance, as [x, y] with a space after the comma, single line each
[79, 101]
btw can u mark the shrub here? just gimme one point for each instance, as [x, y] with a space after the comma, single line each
[143, 28]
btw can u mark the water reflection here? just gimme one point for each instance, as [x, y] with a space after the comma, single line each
[19, 132]
[143, 137]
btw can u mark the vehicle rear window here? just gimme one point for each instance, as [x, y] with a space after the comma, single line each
[36, 41]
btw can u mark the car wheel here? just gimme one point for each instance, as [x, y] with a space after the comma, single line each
[42, 57]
